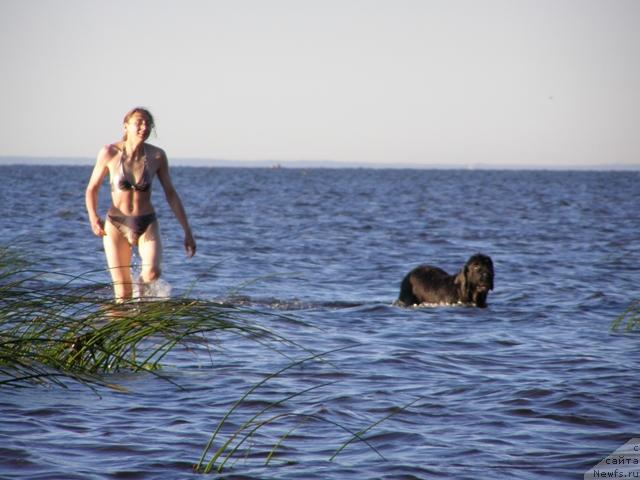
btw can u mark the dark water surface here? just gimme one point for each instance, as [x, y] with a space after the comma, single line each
[534, 387]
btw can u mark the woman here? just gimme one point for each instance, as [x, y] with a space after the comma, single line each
[131, 221]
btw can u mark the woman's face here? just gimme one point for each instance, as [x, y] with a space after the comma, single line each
[138, 127]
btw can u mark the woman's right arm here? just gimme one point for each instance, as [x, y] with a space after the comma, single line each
[93, 188]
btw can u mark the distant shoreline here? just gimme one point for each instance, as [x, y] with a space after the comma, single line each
[316, 164]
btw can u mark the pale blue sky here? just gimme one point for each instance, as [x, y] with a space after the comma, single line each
[514, 83]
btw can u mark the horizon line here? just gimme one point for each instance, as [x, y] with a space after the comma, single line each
[34, 160]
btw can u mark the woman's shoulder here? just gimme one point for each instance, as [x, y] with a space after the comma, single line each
[154, 151]
[156, 154]
[111, 150]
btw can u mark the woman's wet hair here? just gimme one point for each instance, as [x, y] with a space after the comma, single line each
[151, 125]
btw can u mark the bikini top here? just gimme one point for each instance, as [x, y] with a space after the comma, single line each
[143, 185]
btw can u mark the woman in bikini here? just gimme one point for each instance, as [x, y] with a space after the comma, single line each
[131, 221]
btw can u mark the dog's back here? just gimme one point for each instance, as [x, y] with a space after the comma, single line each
[427, 284]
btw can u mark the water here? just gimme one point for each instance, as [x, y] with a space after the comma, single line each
[533, 387]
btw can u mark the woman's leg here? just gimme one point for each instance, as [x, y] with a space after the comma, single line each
[150, 250]
[118, 252]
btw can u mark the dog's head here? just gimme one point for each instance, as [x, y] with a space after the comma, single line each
[476, 279]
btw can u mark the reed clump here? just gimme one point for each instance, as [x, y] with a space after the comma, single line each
[629, 319]
[55, 327]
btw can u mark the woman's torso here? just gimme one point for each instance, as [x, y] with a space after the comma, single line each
[131, 180]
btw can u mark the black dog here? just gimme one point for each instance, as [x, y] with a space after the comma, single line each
[470, 286]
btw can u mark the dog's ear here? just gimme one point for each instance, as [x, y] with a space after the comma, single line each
[463, 284]
[491, 272]
[469, 285]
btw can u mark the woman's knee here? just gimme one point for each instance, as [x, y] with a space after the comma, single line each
[151, 273]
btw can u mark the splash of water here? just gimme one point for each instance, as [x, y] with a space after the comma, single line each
[157, 290]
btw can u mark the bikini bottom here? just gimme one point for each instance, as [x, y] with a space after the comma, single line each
[132, 226]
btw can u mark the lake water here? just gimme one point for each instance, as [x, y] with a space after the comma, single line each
[536, 386]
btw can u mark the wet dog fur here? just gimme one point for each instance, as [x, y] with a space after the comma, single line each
[432, 285]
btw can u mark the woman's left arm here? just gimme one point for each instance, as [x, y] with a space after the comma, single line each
[173, 199]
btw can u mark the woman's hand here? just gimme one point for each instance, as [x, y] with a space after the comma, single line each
[189, 245]
[97, 226]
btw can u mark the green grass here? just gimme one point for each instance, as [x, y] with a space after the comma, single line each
[232, 447]
[629, 319]
[55, 328]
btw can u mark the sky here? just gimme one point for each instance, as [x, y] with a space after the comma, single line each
[428, 83]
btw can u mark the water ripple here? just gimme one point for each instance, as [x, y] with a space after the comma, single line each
[533, 387]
